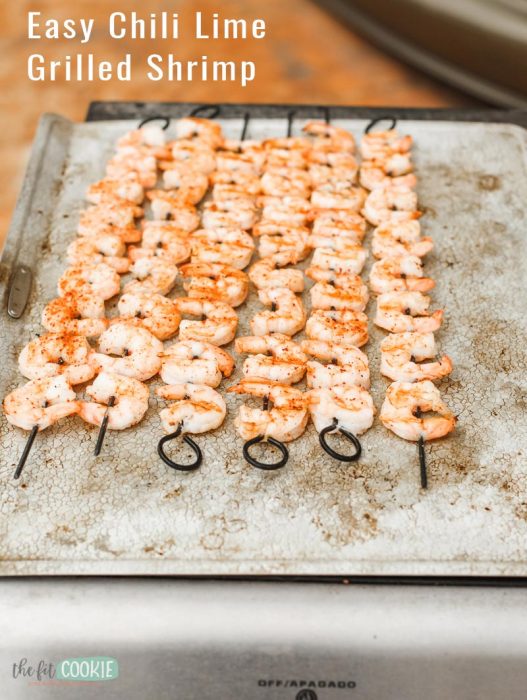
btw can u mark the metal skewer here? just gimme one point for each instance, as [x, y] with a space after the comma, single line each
[334, 427]
[267, 466]
[374, 122]
[104, 426]
[175, 465]
[423, 472]
[214, 111]
[156, 117]
[25, 453]
[246, 119]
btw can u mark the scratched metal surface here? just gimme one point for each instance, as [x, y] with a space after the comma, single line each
[126, 513]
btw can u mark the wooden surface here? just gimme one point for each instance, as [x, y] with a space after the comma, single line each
[306, 57]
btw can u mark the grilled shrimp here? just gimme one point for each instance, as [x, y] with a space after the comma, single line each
[246, 182]
[130, 350]
[129, 398]
[338, 196]
[166, 204]
[127, 189]
[215, 282]
[173, 246]
[398, 312]
[154, 312]
[240, 163]
[283, 240]
[114, 212]
[204, 130]
[198, 408]
[404, 273]
[228, 214]
[376, 174]
[152, 275]
[133, 161]
[349, 365]
[341, 326]
[288, 211]
[98, 279]
[338, 222]
[80, 313]
[322, 174]
[40, 402]
[150, 135]
[102, 248]
[271, 272]
[400, 353]
[404, 404]
[328, 136]
[287, 314]
[197, 156]
[184, 220]
[350, 293]
[391, 204]
[275, 357]
[404, 238]
[196, 362]
[218, 324]
[351, 406]
[382, 144]
[190, 187]
[128, 234]
[225, 246]
[229, 193]
[282, 182]
[285, 420]
[350, 260]
[57, 353]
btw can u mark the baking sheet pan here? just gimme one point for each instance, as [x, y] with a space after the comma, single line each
[126, 513]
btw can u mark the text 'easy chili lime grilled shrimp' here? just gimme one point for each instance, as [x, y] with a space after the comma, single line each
[128, 349]
[195, 362]
[37, 405]
[155, 312]
[346, 365]
[215, 282]
[217, 324]
[55, 354]
[198, 408]
[403, 355]
[274, 356]
[283, 417]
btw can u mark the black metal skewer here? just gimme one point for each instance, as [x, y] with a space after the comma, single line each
[334, 426]
[104, 426]
[374, 122]
[267, 466]
[25, 453]
[170, 462]
[155, 118]
[246, 119]
[290, 118]
[200, 109]
[327, 114]
[422, 462]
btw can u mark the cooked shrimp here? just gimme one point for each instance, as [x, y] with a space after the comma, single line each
[381, 144]
[148, 135]
[283, 241]
[341, 326]
[154, 312]
[114, 212]
[198, 157]
[349, 365]
[288, 211]
[276, 357]
[399, 312]
[40, 402]
[229, 214]
[404, 238]
[403, 273]
[246, 182]
[225, 246]
[80, 313]
[322, 174]
[130, 350]
[128, 234]
[102, 248]
[218, 324]
[287, 314]
[198, 408]
[241, 163]
[154, 275]
[338, 222]
[333, 196]
[128, 189]
[191, 187]
[215, 282]
[400, 353]
[184, 219]
[172, 245]
[285, 420]
[351, 406]
[326, 135]
[391, 204]
[133, 161]
[196, 362]
[351, 260]
[229, 193]
[404, 404]
[350, 294]
[57, 353]
[166, 204]
[281, 182]
[129, 398]
[271, 272]
[205, 130]
[98, 279]
[376, 174]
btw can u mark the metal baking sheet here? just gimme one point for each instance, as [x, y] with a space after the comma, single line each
[126, 513]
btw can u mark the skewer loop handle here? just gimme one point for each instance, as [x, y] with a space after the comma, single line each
[192, 466]
[267, 466]
[349, 436]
